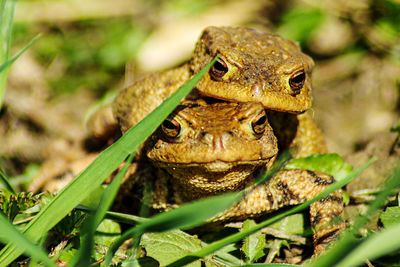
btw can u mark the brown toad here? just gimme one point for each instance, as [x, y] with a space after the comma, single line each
[252, 66]
[207, 149]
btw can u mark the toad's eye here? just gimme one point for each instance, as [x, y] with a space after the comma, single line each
[259, 123]
[296, 81]
[171, 128]
[219, 69]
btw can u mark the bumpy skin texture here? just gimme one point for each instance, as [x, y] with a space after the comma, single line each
[217, 150]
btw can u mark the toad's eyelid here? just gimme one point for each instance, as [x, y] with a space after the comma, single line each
[229, 60]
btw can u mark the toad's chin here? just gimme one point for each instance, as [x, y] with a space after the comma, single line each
[213, 177]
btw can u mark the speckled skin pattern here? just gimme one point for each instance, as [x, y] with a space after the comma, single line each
[258, 67]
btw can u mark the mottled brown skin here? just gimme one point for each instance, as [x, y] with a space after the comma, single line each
[217, 150]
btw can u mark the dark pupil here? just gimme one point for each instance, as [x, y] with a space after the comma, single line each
[219, 66]
[261, 121]
[299, 78]
[169, 125]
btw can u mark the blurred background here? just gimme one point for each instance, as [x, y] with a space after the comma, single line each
[89, 50]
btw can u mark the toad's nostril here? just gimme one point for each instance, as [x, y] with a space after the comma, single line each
[257, 88]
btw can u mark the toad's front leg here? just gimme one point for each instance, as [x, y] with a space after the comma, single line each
[292, 187]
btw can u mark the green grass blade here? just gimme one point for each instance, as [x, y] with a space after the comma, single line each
[79, 188]
[116, 216]
[240, 235]
[7, 183]
[379, 244]
[93, 221]
[6, 64]
[348, 241]
[6, 21]
[109, 194]
[9, 234]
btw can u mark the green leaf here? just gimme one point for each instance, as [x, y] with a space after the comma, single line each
[80, 187]
[293, 224]
[10, 235]
[390, 217]
[330, 163]
[169, 246]
[106, 233]
[253, 245]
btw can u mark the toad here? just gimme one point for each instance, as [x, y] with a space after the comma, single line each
[252, 66]
[205, 149]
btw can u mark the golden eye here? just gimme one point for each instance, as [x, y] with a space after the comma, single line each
[259, 123]
[296, 81]
[171, 128]
[219, 69]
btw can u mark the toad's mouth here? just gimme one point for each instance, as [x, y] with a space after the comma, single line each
[214, 166]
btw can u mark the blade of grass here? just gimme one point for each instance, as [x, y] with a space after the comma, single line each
[6, 21]
[379, 244]
[8, 185]
[9, 234]
[42, 241]
[6, 64]
[116, 216]
[80, 187]
[93, 221]
[348, 241]
[240, 235]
